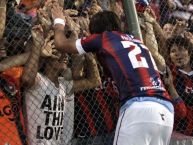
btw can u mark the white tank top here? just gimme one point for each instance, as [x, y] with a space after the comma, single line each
[46, 107]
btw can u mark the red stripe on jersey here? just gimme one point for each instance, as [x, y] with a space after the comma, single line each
[144, 73]
[108, 47]
[88, 39]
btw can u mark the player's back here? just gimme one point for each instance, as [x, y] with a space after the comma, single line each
[131, 65]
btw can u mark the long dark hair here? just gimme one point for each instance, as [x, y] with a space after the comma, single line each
[104, 21]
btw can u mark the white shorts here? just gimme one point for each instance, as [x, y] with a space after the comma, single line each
[144, 123]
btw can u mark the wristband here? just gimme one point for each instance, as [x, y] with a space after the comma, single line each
[59, 21]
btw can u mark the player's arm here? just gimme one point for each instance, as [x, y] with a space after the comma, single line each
[66, 45]
[61, 42]
[91, 78]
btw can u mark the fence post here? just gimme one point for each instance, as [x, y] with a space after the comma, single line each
[132, 18]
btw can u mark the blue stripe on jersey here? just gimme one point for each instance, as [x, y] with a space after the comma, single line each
[121, 58]
[130, 64]
[117, 66]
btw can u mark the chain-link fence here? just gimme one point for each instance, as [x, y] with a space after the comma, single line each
[173, 36]
[56, 99]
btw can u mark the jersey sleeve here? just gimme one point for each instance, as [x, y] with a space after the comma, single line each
[89, 44]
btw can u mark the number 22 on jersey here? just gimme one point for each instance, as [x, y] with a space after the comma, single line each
[136, 51]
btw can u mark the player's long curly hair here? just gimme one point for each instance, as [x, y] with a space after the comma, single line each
[104, 21]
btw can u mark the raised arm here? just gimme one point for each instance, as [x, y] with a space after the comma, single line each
[13, 61]
[61, 42]
[159, 32]
[149, 18]
[92, 78]
[151, 43]
[32, 65]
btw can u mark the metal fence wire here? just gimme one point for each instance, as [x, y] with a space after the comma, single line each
[49, 98]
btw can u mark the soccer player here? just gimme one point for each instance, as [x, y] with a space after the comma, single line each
[146, 115]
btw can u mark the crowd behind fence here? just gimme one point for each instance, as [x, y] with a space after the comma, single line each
[34, 76]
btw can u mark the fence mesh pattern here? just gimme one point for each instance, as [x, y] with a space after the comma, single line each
[49, 98]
